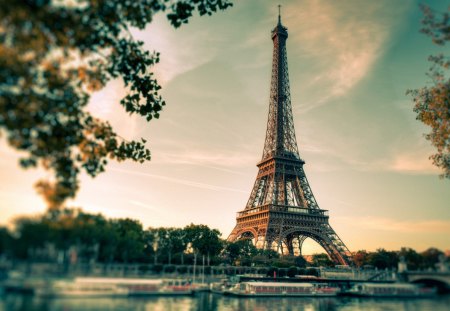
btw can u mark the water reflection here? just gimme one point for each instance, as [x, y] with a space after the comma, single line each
[213, 302]
[270, 303]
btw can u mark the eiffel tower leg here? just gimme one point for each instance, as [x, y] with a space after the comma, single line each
[233, 235]
[280, 247]
[334, 246]
[301, 239]
[289, 244]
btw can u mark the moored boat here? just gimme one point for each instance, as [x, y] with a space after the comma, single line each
[72, 289]
[390, 290]
[176, 287]
[113, 287]
[280, 289]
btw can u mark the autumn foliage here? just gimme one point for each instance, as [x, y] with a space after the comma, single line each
[53, 55]
[432, 103]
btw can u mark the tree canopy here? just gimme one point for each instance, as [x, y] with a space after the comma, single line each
[53, 55]
[72, 236]
[432, 103]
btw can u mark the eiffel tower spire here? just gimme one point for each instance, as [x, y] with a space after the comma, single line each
[282, 211]
[280, 134]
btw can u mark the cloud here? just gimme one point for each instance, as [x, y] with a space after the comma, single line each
[184, 182]
[395, 225]
[209, 159]
[146, 206]
[407, 154]
[105, 105]
[413, 163]
[180, 49]
[342, 38]
[408, 157]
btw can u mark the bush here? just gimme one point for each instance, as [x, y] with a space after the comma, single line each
[292, 271]
[282, 272]
[262, 271]
[271, 271]
[157, 268]
[182, 269]
[281, 263]
[144, 268]
[260, 260]
[312, 271]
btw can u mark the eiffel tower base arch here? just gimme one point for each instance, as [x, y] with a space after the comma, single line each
[286, 234]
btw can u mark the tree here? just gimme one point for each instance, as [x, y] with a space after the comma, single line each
[431, 257]
[360, 258]
[5, 241]
[412, 259]
[130, 242]
[321, 260]
[108, 238]
[203, 240]
[178, 244]
[87, 231]
[32, 234]
[166, 242]
[383, 259]
[54, 55]
[151, 243]
[432, 104]
[244, 250]
[300, 262]
[268, 253]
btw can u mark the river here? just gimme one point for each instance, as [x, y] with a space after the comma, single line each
[214, 302]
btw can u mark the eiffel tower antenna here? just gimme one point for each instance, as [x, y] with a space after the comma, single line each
[282, 211]
[279, 14]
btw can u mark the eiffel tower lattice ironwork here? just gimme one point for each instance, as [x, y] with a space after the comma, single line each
[282, 211]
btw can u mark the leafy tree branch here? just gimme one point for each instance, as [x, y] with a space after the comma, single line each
[53, 55]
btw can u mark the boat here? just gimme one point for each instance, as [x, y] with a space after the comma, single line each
[219, 287]
[176, 287]
[73, 289]
[200, 287]
[113, 287]
[281, 289]
[403, 290]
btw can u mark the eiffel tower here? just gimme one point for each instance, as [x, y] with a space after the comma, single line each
[282, 211]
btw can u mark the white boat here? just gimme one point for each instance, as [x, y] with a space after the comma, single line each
[280, 289]
[390, 290]
[113, 287]
[220, 287]
[68, 288]
[176, 287]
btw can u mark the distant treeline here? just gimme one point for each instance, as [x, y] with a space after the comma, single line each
[74, 236]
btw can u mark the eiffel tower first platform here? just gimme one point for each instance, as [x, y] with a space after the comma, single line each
[282, 211]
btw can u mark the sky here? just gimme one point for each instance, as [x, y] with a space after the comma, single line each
[350, 64]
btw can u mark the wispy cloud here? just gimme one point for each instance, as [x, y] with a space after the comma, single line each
[206, 158]
[407, 158]
[105, 105]
[343, 39]
[144, 205]
[184, 182]
[180, 50]
[413, 163]
[406, 155]
[396, 225]
[158, 218]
